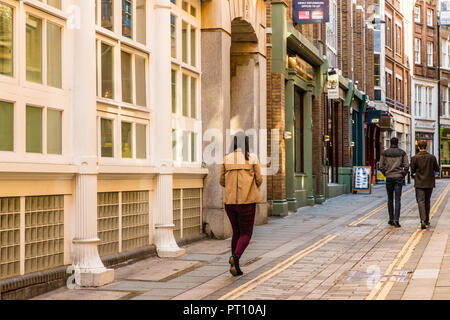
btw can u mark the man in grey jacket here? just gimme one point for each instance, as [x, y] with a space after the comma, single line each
[394, 165]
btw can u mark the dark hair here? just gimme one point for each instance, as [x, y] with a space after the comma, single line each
[240, 140]
[394, 142]
[422, 144]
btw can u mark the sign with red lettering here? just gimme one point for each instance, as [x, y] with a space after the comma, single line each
[311, 11]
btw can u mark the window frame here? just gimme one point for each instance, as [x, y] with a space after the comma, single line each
[45, 18]
[388, 32]
[117, 73]
[117, 21]
[430, 17]
[430, 55]
[419, 14]
[417, 53]
[44, 133]
[15, 39]
[184, 122]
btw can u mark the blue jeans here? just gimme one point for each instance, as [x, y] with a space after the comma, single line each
[394, 186]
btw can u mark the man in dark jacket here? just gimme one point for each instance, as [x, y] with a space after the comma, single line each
[423, 168]
[394, 165]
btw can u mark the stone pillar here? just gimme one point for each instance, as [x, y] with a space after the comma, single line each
[164, 239]
[90, 270]
[290, 143]
[307, 149]
[216, 45]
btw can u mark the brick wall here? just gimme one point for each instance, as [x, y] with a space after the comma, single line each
[276, 184]
[426, 34]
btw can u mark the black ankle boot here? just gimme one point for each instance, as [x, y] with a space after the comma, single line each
[235, 270]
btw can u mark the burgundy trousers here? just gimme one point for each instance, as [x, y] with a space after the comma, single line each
[242, 218]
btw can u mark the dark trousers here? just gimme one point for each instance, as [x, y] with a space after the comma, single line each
[242, 218]
[394, 187]
[423, 197]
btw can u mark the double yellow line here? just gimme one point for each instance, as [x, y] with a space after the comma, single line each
[260, 279]
[374, 211]
[382, 289]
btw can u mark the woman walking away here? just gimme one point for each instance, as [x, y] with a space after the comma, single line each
[240, 174]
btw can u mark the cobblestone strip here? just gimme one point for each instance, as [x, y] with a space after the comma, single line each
[327, 282]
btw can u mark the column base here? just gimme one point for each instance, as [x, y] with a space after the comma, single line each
[98, 279]
[311, 201]
[280, 208]
[170, 252]
[320, 199]
[292, 204]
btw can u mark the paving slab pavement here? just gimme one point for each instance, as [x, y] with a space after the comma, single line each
[340, 269]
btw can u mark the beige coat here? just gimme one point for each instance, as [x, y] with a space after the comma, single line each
[241, 178]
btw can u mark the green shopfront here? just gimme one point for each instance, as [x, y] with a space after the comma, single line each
[302, 73]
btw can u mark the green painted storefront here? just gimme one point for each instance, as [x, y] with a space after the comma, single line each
[300, 91]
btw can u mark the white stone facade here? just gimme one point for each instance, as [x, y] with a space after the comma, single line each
[91, 141]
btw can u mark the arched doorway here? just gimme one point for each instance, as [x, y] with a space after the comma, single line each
[233, 91]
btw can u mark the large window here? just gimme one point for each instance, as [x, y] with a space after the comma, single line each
[444, 53]
[133, 76]
[430, 14]
[141, 141]
[185, 81]
[398, 40]
[189, 95]
[184, 42]
[127, 140]
[107, 71]
[127, 83]
[417, 54]
[132, 136]
[6, 126]
[53, 3]
[173, 36]
[377, 70]
[388, 85]
[6, 40]
[54, 131]
[133, 21]
[107, 14]
[399, 97]
[174, 90]
[140, 80]
[189, 146]
[418, 101]
[54, 55]
[445, 101]
[34, 49]
[127, 18]
[417, 14]
[141, 21]
[35, 52]
[107, 137]
[388, 32]
[34, 130]
[430, 49]
[429, 102]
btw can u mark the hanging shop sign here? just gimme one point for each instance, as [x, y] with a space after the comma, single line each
[311, 11]
[333, 85]
[373, 116]
[361, 178]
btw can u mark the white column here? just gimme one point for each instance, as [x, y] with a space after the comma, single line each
[90, 270]
[162, 132]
